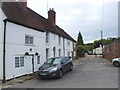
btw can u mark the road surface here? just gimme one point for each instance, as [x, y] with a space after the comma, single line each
[89, 72]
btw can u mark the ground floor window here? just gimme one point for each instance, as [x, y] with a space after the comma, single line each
[68, 53]
[16, 62]
[47, 53]
[19, 62]
[38, 59]
[54, 51]
[59, 52]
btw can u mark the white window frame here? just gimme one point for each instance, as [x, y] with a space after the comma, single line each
[20, 62]
[59, 39]
[68, 53]
[47, 37]
[38, 59]
[47, 53]
[17, 62]
[59, 51]
[68, 43]
[29, 40]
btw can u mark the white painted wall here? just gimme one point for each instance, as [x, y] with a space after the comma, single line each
[15, 46]
[2, 17]
[97, 50]
[54, 42]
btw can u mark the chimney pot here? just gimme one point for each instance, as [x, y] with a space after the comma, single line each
[52, 16]
[23, 2]
[53, 9]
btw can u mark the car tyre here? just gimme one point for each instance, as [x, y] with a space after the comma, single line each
[71, 68]
[60, 74]
[116, 64]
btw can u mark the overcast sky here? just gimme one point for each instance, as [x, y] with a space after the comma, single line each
[82, 15]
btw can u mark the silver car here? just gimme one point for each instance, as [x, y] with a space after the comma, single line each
[116, 62]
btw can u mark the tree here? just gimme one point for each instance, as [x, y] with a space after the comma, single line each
[80, 46]
[103, 42]
[80, 51]
[80, 39]
[89, 47]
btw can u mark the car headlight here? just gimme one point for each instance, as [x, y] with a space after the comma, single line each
[53, 69]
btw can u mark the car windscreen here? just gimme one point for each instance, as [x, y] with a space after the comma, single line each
[57, 61]
[53, 61]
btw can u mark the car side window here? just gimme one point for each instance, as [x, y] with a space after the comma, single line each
[65, 59]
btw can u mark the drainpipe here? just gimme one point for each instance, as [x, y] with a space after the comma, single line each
[4, 40]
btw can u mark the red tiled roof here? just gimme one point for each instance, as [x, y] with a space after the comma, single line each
[20, 14]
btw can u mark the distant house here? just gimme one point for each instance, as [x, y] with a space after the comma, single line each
[112, 51]
[98, 51]
[27, 40]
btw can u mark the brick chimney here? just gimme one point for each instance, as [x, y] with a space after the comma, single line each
[52, 16]
[23, 2]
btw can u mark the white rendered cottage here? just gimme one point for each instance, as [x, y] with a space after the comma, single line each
[27, 39]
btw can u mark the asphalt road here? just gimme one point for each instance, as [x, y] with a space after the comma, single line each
[88, 72]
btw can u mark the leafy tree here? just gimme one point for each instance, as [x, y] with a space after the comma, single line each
[80, 39]
[103, 42]
[89, 47]
[80, 46]
[80, 51]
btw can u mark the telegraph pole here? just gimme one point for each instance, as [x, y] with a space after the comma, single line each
[102, 41]
[102, 27]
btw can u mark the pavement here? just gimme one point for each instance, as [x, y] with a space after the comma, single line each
[21, 79]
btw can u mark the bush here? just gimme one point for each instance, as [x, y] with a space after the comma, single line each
[80, 51]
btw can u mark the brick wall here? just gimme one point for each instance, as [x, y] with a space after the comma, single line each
[112, 51]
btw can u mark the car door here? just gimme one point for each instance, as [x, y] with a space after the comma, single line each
[68, 63]
[64, 64]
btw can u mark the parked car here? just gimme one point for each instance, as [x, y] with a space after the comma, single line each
[90, 53]
[116, 62]
[55, 67]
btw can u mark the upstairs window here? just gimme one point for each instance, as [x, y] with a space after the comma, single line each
[68, 42]
[59, 40]
[47, 37]
[28, 39]
[47, 53]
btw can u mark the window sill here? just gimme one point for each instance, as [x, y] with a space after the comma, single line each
[47, 44]
[29, 44]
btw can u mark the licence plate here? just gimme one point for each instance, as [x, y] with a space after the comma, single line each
[43, 74]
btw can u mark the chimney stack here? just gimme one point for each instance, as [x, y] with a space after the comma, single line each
[23, 2]
[52, 16]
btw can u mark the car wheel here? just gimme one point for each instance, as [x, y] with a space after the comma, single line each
[116, 64]
[60, 74]
[71, 67]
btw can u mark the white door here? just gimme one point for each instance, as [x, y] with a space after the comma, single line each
[28, 64]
